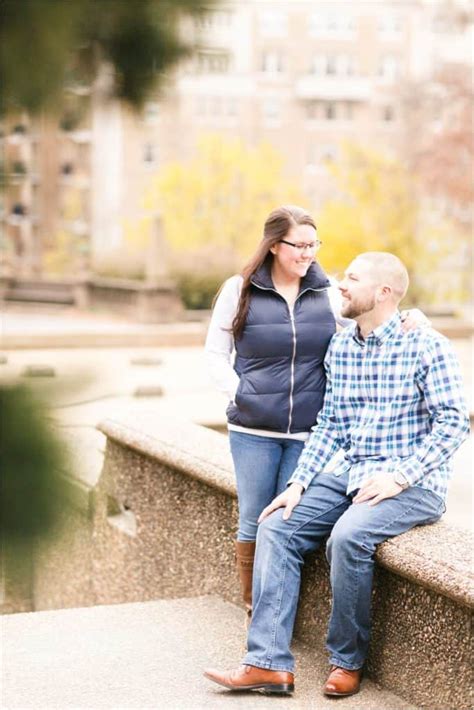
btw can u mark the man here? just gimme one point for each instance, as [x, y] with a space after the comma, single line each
[394, 404]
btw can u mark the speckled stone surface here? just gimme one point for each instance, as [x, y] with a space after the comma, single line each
[439, 556]
[186, 447]
[185, 533]
[417, 634]
[150, 656]
[163, 525]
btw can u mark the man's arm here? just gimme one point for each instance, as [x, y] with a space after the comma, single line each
[440, 380]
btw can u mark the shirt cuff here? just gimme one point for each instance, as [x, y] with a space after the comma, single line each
[303, 479]
[411, 471]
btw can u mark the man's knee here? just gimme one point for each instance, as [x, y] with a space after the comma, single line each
[348, 541]
[272, 528]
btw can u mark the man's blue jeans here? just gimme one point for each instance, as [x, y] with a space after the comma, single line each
[263, 465]
[356, 529]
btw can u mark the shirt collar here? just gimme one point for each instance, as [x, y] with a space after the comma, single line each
[380, 334]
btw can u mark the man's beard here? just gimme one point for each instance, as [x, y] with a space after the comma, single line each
[356, 307]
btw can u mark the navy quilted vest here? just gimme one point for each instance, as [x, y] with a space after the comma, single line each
[279, 357]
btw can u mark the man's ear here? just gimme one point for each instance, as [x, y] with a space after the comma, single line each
[273, 249]
[383, 293]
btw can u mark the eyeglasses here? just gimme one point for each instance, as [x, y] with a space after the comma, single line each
[301, 246]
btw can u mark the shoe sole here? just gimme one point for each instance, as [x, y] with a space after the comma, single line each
[266, 688]
[333, 694]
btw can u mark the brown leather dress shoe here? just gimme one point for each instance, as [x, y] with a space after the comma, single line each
[342, 682]
[253, 678]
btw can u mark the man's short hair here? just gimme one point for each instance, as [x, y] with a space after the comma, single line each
[388, 268]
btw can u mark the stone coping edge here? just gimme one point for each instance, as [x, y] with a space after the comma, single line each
[438, 557]
[197, 452]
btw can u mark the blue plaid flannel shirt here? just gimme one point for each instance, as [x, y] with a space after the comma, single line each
[394, 402]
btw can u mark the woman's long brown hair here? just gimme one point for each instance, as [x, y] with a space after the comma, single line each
[277, 225]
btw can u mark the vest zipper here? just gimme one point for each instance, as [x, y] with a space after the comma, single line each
[292, 369]
[293, 357]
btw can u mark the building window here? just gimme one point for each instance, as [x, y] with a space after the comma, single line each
[311, 160]
[223, 18]
[273, 23]
[331, 65]
[389, 67]
[328, 154]
[232, 106]
[388, 114]
[318, 65]
[345, 65]
[149, 155]
[213, 62]
[215, 108]
[330, 111]
[210, 19]
[200, 105]
[271, 109]
[390, 23]
[67, 168]
[332, 22]
[151, 113]
[272, 63]
[312, 110]
[323, 23]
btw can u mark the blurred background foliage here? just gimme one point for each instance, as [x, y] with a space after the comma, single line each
[34, 463]
[222, 196]
[213, 209]
[382, 207]
[47, 44]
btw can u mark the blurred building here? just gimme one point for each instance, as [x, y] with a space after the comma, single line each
[302, 75]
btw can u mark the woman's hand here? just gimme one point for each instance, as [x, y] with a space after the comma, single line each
[413, 319]
[288, 500]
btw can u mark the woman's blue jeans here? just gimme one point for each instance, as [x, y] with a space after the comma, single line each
[355, 529]
[263, 465]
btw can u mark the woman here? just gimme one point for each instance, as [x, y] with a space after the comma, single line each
[278, 317]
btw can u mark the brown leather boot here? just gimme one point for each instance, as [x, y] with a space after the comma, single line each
[253, 678]
[244, 556]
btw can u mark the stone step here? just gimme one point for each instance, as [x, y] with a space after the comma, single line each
[149, 655]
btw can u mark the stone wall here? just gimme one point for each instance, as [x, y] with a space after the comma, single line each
[161, 523]
[145, 302]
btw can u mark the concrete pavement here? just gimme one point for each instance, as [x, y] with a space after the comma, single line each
[149, 655]
[46, 326]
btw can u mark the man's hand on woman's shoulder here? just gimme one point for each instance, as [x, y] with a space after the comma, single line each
[414, 319]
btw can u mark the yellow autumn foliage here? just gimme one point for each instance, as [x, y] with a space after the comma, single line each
[221, 197]
[381, 208]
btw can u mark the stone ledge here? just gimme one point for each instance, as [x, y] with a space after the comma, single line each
[189, 448]
[437, 557]
[162, 525]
